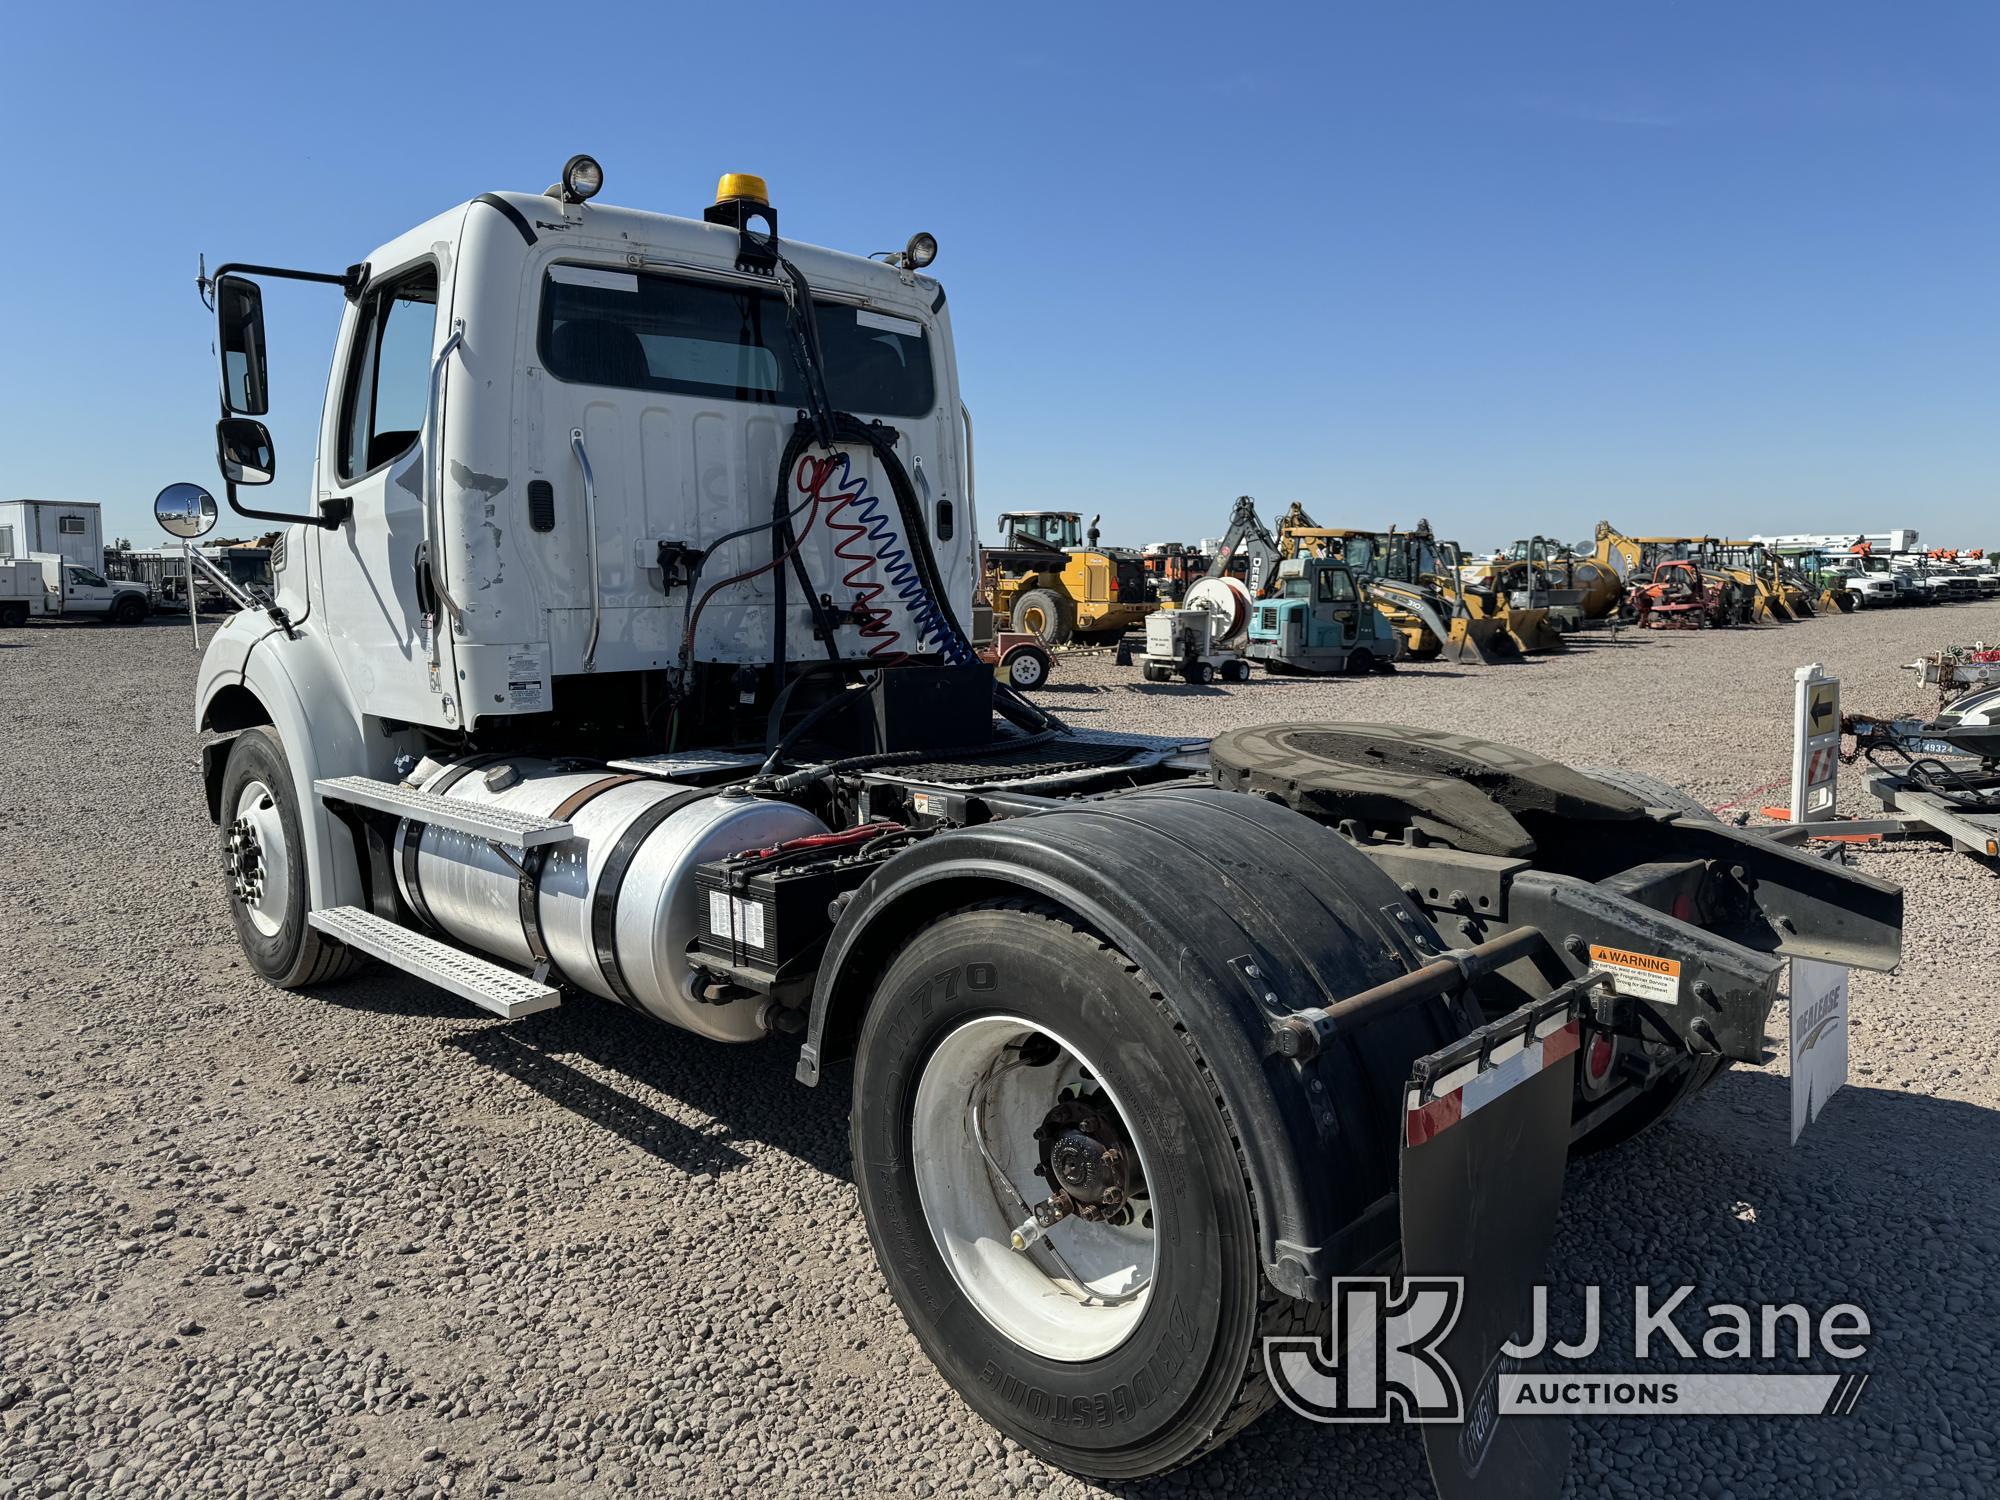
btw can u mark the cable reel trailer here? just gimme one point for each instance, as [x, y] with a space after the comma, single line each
[617, 652]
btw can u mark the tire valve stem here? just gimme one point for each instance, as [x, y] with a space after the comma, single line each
[1044, 1216]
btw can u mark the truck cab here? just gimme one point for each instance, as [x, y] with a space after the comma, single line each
[1320, 621]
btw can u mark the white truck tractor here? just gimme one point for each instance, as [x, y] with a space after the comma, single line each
[617, 649]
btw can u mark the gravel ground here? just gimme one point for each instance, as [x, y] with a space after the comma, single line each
[370, 1243]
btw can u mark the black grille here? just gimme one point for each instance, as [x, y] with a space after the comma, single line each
[541, 505]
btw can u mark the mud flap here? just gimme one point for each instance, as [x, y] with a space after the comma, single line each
[1486, 1138]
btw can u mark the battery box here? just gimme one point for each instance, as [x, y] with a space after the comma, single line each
[765, 915]
[917, 706]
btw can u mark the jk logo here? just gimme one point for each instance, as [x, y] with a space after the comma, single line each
[1379, 1361]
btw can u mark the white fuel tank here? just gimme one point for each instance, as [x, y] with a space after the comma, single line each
[613, 908]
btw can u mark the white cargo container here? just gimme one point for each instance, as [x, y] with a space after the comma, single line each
[73, 529]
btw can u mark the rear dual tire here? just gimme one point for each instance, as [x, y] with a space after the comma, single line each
[1118, 1398]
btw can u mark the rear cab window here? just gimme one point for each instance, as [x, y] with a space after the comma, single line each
[648, 332]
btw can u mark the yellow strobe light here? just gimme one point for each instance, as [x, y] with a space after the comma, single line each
[742, 187]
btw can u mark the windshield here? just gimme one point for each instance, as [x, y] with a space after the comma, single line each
[728, 342]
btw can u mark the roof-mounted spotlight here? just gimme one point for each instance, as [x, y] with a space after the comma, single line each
[920, 252]
[582, 179]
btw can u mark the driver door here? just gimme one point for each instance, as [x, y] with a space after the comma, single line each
[1339, 607]
[394, 643]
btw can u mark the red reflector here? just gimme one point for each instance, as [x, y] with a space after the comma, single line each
[1600, 1057]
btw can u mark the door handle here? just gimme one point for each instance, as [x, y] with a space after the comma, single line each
[590, 535]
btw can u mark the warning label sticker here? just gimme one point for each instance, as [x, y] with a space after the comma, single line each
[1644, 976]
[525, 686]
[734, 918]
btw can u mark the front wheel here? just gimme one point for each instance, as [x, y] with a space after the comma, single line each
[128, 611]
[1054, 1198]
[263, 865]
[1040, 613]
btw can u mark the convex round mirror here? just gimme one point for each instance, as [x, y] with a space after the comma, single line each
[185, 510]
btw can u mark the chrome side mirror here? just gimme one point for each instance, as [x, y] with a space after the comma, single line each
[239, 326]
[185, 510]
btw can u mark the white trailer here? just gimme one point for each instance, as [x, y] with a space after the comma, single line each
[68, 528]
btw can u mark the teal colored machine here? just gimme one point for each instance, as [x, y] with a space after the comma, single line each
[1320, 621]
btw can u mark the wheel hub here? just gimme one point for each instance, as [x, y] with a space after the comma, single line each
[244, 854]
[1086, 1159]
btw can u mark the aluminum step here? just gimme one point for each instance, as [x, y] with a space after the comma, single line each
[499, 825]
[503, 991]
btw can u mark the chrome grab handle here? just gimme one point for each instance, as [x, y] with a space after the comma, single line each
[434, 472]
[590, 532]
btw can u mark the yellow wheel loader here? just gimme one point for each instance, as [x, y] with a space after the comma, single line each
[1050, 581]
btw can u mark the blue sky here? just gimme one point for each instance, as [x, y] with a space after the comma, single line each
[1691, 266]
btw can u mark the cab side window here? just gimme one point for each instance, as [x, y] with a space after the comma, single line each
[383, 397]
[1336, 587]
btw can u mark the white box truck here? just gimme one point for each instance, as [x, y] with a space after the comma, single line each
[73, 529]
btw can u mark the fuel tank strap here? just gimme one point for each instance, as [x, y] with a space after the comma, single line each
[604, 901]
[413, 834]
[530, 882]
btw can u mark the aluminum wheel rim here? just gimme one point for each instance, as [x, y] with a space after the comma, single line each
[1081, 1292]
[258, 859]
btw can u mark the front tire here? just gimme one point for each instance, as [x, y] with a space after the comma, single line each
[981, 1024]
[128, 611]
[1040, 613]
[264, 867]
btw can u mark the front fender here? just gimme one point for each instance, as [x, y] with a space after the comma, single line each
[1238, 911]
[252, 673]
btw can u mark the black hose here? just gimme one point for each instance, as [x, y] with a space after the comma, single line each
[846, 697]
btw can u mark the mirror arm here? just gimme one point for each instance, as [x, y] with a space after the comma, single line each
[331, 512]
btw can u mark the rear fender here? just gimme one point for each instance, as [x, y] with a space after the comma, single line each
[1239, 912]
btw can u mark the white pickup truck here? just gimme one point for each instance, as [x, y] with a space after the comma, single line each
[73, 589]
